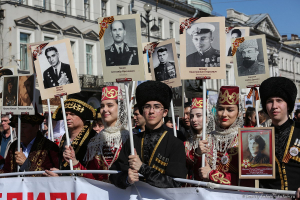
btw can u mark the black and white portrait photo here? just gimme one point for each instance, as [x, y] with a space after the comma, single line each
[249, 58]
[120, 41]
[55, 66]
[163, 63]
[203, 45]
[233, 34]
[248, 102]
[193, 88]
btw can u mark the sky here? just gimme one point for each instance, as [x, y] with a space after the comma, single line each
[285, 14]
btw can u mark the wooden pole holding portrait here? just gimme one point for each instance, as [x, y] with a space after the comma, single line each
[50, 125]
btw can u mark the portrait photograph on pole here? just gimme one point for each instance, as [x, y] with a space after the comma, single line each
[121, 47]
[234, 33]
[148, 74]
[250, 60]
[55, 68]
[193, 88]
[19, 94]
[177, 102]
[164, 63]
[256, 153]
[202, 49]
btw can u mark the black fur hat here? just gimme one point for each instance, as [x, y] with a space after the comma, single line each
[278, 87]
[153, 91]
[76, 103]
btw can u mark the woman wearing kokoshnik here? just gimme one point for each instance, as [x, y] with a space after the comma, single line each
[192, 142]
[221, 146]
[104, 148]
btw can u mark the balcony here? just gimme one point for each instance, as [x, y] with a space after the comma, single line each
[91, 83]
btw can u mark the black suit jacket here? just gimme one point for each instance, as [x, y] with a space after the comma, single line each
[128, 57]
[51, 80]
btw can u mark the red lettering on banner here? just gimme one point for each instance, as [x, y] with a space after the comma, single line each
[61, 196]
[80, 197]
[17, 195]
[41, 196]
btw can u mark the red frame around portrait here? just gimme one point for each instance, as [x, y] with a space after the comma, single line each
[248, 169]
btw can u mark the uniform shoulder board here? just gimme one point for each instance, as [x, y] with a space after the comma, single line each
[107, 48]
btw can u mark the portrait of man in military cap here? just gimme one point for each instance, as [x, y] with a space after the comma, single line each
[121, 44]
[249, 58]
[163, 62]
[203, 46]
[10, 91]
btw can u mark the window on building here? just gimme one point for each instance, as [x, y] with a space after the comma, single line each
[119, 10]
[47, 4]
[24, 39]
[171, 24]
[89, 59]
[87, 9]
[46, 38]
[160, 26]
[103, 7]
[291, 66]
[282, 63]
[287, 65]
[23, 2]
[227, 77]
[73, 47]
[68, 7]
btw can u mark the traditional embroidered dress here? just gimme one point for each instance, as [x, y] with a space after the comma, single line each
[43, 155]
[103, 149]
[193, 163]
[223, 144]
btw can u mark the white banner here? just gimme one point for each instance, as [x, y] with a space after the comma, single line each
[76, 188]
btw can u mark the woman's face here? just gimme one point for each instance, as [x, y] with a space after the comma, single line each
[253, 118]
[109, 111]
[227, 114]
[253, 146]
[196, 119]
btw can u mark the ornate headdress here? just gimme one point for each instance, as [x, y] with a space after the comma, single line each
[197, 103]
[229, 95]
[112, 136]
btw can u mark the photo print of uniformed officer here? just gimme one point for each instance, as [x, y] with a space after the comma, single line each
[163, 63]
[10, 90]
[249, 58]
[120, 43]
[203, 45]
[193, 88]
[233, 34]
[55, 66]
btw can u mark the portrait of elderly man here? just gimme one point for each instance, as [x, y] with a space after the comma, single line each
[58, 73]
[119, 53]
[235, 33]
[26, 88]
[256, 146]
[202, 38]
[165, 69]
[250, 64]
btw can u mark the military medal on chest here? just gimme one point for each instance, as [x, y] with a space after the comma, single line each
[224, 159]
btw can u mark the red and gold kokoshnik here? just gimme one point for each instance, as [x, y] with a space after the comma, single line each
[229, 95]
[197, 103]
[109, 92]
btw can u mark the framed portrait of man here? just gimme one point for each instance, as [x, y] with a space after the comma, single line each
[164, 63]
[193, 88]
[257, 153]
[202, 49]
[18, 94]
[177, 102]
[121, 48]
[234, 33]
[248, 102]
[55, 68]
[250, 61]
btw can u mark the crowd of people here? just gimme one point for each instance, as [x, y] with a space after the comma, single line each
[158, 155]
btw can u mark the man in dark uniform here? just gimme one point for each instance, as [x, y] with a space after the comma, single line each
[165, 70]
[278, 95]
[159, 155]
[59, 73]
[250, 65]
[120, 53]
[206, 55]
[10, 98]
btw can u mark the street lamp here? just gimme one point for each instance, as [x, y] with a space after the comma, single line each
[154, 28]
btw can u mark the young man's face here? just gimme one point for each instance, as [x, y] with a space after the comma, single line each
[153, 113]
[139, 119]
[277, 109]
[202, 41]
[53, 58]
[162, 56]
[186, 118]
